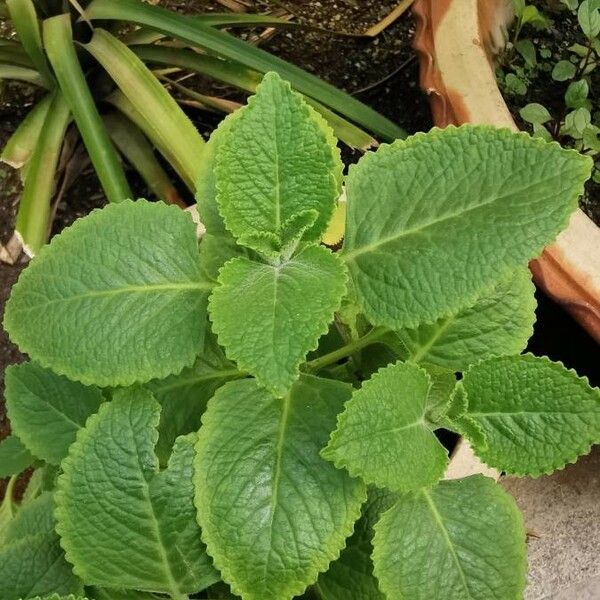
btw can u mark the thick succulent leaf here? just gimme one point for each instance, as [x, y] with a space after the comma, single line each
[273, 512]
[47, 410]
[351, 576]
[383, 435]
[286, 309]
[32, 563]
[126, 308]
[146, 537]
[436, 219]
[277, 162]
[14, 456]
[183, 397]
[498, 324]
[462, 540]
[536, 415]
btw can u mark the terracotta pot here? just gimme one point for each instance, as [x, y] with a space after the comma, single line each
[456, 41]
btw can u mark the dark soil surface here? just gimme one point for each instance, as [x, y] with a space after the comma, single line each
[563, 32]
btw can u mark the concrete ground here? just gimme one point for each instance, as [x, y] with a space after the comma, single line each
[562, 515]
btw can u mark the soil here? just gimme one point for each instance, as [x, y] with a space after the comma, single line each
[562, 33]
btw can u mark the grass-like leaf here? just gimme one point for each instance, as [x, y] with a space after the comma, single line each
[60, 48]
[149, 97]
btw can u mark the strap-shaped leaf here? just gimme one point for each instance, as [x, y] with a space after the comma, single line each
[117, 298]
[536, 415]
[351, 576]
[32, 563]
[499, 323]
[383, 435]
[14, 456]
[436, 219]
[183, 397]
[461, 540]
[286, 309]
[273, 512]
[123, 524]
[47, 410]
[276, 163]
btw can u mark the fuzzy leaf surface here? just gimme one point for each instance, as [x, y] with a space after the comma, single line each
[273, 512]
[285, 310]
[146, 537]
[499, 323]
[437, 218]
[126, 308]
[536, 415]
[461, 540]
[351, 576]
[277, 163]
[47, 410]
[14, 456]
[383, 435]
[183, 397]
[32, 562]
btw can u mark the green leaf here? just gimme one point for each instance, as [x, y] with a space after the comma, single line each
[443, 383]
[206, 185]
[46, 410]
[60, 49]
[35, 206]
[351, 576]
[273, 513]
[24, 19]
[183, 397]
[59, 597]
[576, 122]
[14, 457]
[96, 593]
[577, 94]
[515, 85]
[588, 16]
[146, 536]
[435, 220]
[527, 50]
[383, 436]
[32, 562]
[535, 113]
[463, 539]
[499, 323]
[563, 70]
[549, 418]
[21, 144]
[170, 126]
[86, 309]
[287, 307]
[267, 178]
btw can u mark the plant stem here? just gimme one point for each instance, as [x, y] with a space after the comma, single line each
[328, 359]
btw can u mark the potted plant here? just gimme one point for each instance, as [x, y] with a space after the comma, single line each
[457, 40]
[256, 412]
